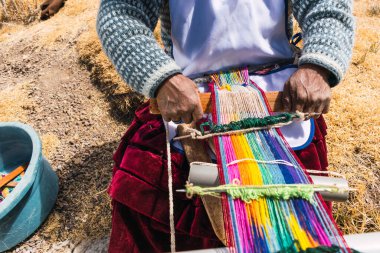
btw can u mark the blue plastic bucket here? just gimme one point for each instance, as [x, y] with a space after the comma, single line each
[29, 204]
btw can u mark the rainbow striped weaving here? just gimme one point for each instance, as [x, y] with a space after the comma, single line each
[264, 224]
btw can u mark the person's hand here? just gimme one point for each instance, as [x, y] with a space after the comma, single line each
[178, 99]
[307, 90]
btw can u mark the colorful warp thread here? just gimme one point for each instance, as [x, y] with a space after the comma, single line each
[6, 190]
[264, 224]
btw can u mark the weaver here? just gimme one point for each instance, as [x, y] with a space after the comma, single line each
[269, 202]
[202, 37]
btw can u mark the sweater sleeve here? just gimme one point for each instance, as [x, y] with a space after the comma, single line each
[125, 28]
[328, 33]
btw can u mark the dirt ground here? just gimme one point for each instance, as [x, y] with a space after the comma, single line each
[43, 84]
[55, 78]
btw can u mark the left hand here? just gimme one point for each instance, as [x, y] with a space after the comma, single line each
[307, 90]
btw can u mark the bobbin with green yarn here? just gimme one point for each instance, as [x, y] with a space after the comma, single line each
[248, 193]
[248, 123]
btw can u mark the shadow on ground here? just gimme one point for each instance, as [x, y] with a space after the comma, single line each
[83, 203]
[122, 100]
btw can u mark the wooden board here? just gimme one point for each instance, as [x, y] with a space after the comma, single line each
[274, 101]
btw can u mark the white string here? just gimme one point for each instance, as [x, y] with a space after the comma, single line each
[283, 162]
[170, 187]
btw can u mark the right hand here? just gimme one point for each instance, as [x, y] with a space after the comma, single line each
[178, 99]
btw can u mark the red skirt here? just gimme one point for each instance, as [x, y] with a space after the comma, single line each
[139, 191]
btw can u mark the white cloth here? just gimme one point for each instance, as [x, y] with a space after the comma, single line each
[213, 35]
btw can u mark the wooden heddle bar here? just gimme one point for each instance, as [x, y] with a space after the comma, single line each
[274, 99]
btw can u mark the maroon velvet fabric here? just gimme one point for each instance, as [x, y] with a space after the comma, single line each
[139, 192]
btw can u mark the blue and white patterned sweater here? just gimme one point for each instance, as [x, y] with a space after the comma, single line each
[125, 28]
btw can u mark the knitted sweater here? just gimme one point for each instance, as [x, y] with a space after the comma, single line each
[125, 28]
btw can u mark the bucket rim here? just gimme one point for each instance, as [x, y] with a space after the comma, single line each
[31, 172]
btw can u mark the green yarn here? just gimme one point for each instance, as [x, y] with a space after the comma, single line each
[248, 123]
[283, 193]
[247, 193]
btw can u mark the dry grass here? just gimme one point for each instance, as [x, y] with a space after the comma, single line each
[20, 11]
[13, 103]
[75, 8]
[374, 10]
[354, 129]
[50, 142]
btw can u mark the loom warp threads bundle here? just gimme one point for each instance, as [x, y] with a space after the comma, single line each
[264, 224]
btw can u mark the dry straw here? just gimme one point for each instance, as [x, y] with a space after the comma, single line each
[19, 11]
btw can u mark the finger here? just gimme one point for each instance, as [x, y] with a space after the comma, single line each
[176, 119]
[166, 118]
[193, 124]
[197, 113]
[319, 106]
[326, 107]
[286, 99]
[169, 115]
[293, 98]
[311, 106]
[312, 109]
[187, 118]
[319, 111]
[300, 101]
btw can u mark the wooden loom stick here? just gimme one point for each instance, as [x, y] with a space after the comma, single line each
[273, 97]
[195, 151]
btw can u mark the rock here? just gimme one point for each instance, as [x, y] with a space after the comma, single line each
[89, 246]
